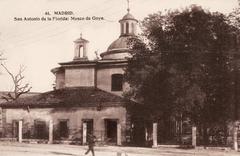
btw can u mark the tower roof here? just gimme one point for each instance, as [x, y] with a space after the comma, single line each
[80, 40]
[128, 16]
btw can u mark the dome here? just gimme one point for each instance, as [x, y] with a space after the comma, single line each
[120, 43]
[128, 16]
[118, 49]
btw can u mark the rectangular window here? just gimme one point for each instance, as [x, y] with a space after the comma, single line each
[63, 128]
[40, 129]
[117, 82]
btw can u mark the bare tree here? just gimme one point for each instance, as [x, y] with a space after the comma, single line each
[1, 56]
[20, 87]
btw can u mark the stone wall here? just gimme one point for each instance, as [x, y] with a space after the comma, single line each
[60, 79]
[104, 80]
[79, 77]
[75, 116]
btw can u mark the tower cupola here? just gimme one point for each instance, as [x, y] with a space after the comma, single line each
[80, 49]
[128, 24]
[118, 49]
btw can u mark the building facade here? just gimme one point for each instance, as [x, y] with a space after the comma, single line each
[87, 98]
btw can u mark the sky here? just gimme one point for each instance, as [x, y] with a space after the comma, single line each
[40, 45]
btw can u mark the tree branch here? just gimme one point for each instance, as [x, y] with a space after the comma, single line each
[8, 71]
[19, 88]
[5, 98]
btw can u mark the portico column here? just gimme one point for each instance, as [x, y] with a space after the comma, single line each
[84, 135]
[50, 139]
[235, 143]
[146, 134]
[154, 134]
[194, 136]
[20, 131]
[119, 134]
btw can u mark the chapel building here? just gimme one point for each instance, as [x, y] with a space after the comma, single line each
[87, 98]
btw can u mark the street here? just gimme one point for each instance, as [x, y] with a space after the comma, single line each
[16, 149]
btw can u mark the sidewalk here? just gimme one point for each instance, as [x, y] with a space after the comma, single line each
[10, 149]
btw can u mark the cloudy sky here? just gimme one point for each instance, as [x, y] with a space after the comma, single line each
[41, 45]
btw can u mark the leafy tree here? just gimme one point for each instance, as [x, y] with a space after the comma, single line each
[182, 65]
[234, 17]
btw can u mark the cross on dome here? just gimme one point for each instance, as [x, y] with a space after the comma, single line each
[128, 8]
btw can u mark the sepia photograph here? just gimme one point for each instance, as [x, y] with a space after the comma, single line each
[120, 78]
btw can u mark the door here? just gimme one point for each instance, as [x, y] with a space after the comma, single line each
[138, 132]
[111, 130]
[63, 128]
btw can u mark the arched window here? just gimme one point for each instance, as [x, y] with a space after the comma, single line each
[133, 28]
[122, 28]
[117, 82]
[80, 51]
[127, 28]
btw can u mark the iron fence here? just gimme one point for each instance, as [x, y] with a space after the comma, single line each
[215, 136]
[34, 135]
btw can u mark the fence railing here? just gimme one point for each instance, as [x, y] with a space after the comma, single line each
[33, 134]
[42, 134]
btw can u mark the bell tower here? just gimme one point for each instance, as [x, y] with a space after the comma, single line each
[128, 24]
[80, 49]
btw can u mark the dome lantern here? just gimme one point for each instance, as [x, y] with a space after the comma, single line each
[118, 49]
[128, 24]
